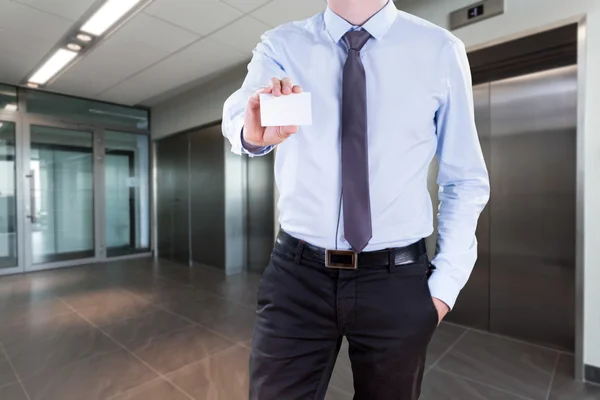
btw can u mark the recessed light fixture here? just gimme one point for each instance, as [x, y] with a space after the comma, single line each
[51, 67]
[84, 38]
[10, 107]
[33, 85]
[74, 46]
[108, 15]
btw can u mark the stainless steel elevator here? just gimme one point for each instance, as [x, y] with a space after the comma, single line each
[214, 207]
[173, 199]
[523, 284]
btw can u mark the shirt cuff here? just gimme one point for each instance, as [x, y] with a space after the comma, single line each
[443, 286]
[253, 150]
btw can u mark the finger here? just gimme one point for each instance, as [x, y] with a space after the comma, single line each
[275, 85]
[287, 131]
[297, 89]
[254, 101]
[266, 89]
[286, 86]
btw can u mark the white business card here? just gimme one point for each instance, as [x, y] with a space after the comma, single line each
[293, 109]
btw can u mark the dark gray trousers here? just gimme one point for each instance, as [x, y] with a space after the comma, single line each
[304, 310]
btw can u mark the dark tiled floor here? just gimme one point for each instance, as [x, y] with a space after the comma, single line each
[7, 376]
[12, 392]
[514, 367]
[144, 330]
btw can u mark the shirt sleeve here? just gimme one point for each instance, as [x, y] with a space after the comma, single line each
[261, 70]
[463, 180]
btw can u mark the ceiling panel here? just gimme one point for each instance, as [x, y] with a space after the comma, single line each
[278, 12]
[113, 61]
[158, 52]
[201, 59]
[198, 16]
[14, 66]
[156, 33]
[24, 46]
[69, 9]
[19, 55]
[246, 5]
[243, 34]
[20, 18]
[26, 36]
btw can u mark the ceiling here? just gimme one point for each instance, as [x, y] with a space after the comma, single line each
[170, 44]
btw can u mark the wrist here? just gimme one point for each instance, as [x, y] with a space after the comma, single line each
[441, 304]
[253, 148]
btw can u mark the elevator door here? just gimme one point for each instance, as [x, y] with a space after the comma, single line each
[532, 210]
[173, 198]
[207, 196]
[523, 283]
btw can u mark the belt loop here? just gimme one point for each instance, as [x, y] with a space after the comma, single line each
[299, 249]
[391, 259]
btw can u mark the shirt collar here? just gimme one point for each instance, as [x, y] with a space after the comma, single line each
[378, 25]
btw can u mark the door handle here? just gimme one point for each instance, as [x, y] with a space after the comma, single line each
[31, 177]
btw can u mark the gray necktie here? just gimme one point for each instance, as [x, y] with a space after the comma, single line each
[355, 163]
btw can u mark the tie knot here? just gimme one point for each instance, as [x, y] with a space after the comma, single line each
[355, 40]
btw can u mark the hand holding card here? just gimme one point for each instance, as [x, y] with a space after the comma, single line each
[255, 134]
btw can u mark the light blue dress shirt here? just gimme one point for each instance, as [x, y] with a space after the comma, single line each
[420, 105]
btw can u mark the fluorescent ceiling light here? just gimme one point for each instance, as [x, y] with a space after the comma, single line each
[10, 107]
[51, 67]
[107, 15]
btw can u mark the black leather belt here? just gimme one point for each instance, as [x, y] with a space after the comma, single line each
[347, 259]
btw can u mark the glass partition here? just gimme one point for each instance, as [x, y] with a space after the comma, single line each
[127, 193]
[88, 111]
[8, 98]
[61, 203]
[8, 196]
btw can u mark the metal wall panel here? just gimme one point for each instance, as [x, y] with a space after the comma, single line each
[261, 220]
[533, 155]
[222, 187]
[207, 190]
[473, 305]
[172, 190]
[236, 237]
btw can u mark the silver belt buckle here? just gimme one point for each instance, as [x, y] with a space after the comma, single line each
[341, 259]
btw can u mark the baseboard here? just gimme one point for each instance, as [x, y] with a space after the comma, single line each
[592, 374]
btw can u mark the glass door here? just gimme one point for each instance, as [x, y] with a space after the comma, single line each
[126, 193]
[59, 171]
[9, 241]
[74, 181]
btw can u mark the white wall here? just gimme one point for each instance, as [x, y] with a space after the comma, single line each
[200, 105]
[523, 17]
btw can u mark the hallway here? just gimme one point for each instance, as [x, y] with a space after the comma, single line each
[145, 330]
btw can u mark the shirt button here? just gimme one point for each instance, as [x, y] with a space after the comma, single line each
[342, 238]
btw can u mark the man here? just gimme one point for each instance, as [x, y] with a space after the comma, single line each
[390, 91]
